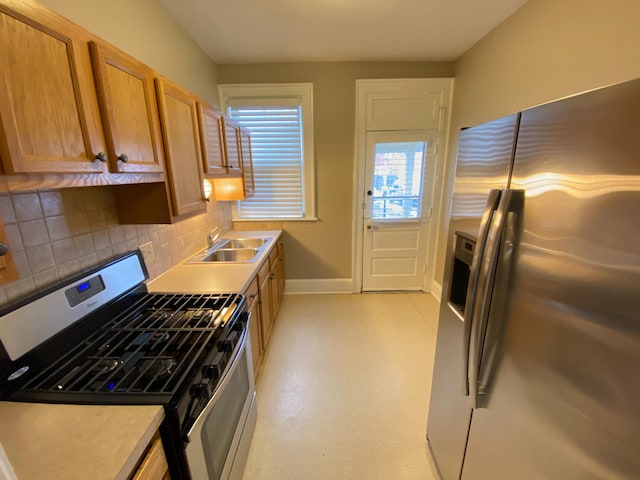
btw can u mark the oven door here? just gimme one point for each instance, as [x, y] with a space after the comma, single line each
[219, 439]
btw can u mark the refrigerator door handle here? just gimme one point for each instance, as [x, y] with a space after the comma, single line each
[511, 201]
[492, 204]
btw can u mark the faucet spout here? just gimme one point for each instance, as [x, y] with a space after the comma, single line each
[215, 234]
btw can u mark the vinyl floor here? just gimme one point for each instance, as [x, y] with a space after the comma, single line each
[344, 389]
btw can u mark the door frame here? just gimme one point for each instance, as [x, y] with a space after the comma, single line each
[367, 93]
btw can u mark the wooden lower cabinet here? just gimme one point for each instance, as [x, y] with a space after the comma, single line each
[266, 312]
[280, 272]
[255, 327]
[154, 465]
[276, 265]
[262, 294]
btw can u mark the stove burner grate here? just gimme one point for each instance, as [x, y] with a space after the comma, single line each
[151, 347]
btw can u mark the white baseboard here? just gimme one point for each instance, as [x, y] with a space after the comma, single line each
[436, 290]
[319, 285]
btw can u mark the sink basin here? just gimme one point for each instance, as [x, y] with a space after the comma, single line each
[232, 250]
[244, 243]
[226, 255]
[232, 255]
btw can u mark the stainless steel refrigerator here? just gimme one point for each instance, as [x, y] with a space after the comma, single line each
[537, 369]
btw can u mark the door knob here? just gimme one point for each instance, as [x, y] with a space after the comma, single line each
[369, 192]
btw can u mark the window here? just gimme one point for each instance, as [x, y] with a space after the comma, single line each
[397, 180]
[280, 120]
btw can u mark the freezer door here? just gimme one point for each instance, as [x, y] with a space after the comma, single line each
[485, 155]
[559, 369]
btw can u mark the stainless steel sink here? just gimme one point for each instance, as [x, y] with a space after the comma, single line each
[234, 250]
[232, 255]
[244, 243]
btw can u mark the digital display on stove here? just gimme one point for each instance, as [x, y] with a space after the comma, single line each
[84, 291]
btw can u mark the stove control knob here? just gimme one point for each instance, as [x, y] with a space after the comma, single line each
[229, 343]
[200, 390]
[238, 327]
[213, 370]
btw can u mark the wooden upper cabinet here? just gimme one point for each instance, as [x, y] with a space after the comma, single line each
[49, 117]
[247, 162]
[127, 98]
[232, 145]
[179, 122]
[212, 140]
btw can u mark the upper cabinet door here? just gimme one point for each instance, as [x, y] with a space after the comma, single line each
[212, 140]
[232, 145]
[49, 118]
[179, 123]
[247, 162]
[129, 110]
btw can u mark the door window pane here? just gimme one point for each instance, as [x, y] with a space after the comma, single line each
[397, 180]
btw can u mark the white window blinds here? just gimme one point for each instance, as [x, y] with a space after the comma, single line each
[277, 152]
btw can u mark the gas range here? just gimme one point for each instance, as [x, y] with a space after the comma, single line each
[101, 338]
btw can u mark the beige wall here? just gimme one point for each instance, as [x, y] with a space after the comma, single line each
[53, 234]
[144, 29]
[323, 249]
[547, 50]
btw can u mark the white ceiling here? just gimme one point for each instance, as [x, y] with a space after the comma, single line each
[256, 31]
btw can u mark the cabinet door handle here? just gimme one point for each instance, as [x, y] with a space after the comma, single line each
[123, 158]
[4, 249]
[101, 156]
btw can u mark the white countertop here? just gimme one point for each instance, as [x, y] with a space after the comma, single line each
[69, 442]
[215, 277]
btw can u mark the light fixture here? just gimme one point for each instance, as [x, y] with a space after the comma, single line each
[207, 189]
[228, 189]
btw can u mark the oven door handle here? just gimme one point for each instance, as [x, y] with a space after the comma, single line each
[226, 378]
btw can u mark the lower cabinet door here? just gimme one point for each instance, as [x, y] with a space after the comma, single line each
[255, 328]
[266, 315]
[154, 466]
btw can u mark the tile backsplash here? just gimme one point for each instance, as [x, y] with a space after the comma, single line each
[53, 234]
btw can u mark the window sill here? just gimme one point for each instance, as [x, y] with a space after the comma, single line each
[282, 220]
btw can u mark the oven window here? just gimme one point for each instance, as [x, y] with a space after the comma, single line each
[220, 427]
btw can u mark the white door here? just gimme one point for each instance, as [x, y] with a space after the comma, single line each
[397, 200]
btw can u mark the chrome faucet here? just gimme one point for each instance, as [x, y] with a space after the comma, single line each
[215, 234]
